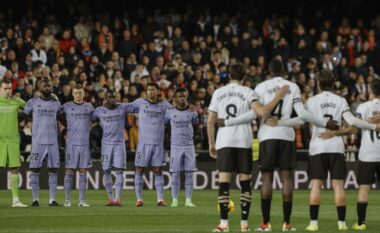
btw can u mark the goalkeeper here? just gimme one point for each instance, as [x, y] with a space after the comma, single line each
[9, 136]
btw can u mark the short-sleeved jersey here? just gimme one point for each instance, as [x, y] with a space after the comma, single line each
[44, 114]
[151, 121]
[370, 143]
[9, 109]
[112, 122]
[181, 124]
[231, 101]
[330, 106]
[265, 92]
[78, 117]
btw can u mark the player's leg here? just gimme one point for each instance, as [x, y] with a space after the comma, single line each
[340, 202]
[37, 157]
[15, 180]
[71, 161]
[142, 158]
[338, 174]
[106, 151]
[119, 181]
[82, 187]
[314, 203]
[159, 185]
[157, 162]
[223, 200]
[226, 163]
[53, 183]
[286, 164]
[245, 170]
[366, 176]
[139, 184]
[53, 165]
[12, 151]
[361, 206]
[84, 164]
[317, 172]
[175, 170]
[189, 168]
[268, 162]
[68, 184]
[119, 165]
[287, 197]
[266, 198]
[245, 200]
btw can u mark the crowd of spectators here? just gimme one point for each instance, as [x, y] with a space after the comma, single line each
[124, 52]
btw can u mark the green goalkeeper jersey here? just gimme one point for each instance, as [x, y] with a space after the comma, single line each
[9, 109]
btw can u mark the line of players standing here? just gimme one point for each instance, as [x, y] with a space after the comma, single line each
[78, 116]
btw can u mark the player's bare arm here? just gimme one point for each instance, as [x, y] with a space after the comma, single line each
[257, 109]
[375, 119]
[335, 133]
[264, 110]
[212, 119]
[61, 118]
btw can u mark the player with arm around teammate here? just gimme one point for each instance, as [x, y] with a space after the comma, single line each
[182, 152]
[112, 118]
[232, 149]
[150, 147]
[369, 153]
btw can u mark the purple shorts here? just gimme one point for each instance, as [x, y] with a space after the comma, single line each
[182, 159]
[44, 152]
[77, 156]
[147, 154]
[114, 156]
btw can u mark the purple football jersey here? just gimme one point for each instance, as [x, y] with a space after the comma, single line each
[78, 117]
[112, 122]
[181, 123]
[151, 121]
[44, 113]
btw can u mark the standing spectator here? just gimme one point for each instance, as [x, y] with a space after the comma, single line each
[126, 46]
[46, 39]
[106, 37]
[82, 29]
[38, 54]
[66, 42]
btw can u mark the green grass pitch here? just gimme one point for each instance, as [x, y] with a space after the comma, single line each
[151, 218]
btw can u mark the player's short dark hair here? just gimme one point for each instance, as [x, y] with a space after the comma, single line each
[45, 80]
[237, 71]
[326, 79]
[78, 86]
[153, 85]
[374, 85]
[111, 93]
[180, 90]
[5, 81]
[275, 66]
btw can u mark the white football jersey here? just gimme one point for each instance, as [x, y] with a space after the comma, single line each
[265, 92]
[330, 106]
[231, 101]
[370, 144]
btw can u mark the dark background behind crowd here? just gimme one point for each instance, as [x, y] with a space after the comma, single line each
[123, 45]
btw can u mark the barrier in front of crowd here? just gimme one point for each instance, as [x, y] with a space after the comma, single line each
[205, 178]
